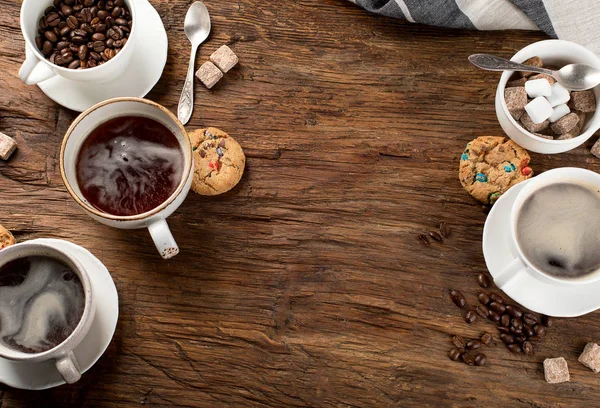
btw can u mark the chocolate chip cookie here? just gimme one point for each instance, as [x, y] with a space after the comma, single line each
[6, 238]
[490, 165]
[219, 161]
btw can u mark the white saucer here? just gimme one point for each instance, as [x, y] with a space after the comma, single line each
[40, 376]
[528, 289]
[144, 70]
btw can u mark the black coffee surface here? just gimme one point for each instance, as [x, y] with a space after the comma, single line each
[41, 303]
[558, 230]
[129, 165]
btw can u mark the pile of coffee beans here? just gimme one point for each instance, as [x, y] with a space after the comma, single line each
[438, 236]
[465, 350]
[80, 34]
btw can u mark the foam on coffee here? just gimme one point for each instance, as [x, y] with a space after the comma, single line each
[41, 303]
[558, 229]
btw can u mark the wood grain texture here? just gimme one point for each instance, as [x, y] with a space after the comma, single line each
[305, 285]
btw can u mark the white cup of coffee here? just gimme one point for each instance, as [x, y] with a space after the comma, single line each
[125, 189]
[554, 228]
[37, 68]
[46, 306]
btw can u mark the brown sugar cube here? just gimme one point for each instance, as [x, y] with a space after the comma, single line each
[584, 101]
[533, 127]
[590, 357]
[556, 370]
[516, 114]
[7, 146]
[543, 76]
[544, 136]
[224, 58]
[576, 131]
[565, 124]
[582, 118]
[209, 74]
[515, 98]
[533, 62]
[516, 83]
[595, 150]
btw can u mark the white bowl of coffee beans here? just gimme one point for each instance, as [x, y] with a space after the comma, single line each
[538, 113]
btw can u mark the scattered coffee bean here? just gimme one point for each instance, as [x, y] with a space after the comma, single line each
[468, 358]
[507, 338]
[454, 354]
[480, 359]
[528, 330]
[482, 311]
[514, 348]
[516, 323]
[514, 311]
[547, 321]
[503, 329]
[436, 236]
[486, 338]
[471, 316]
[484, 299]
[530, 319]
[444, 228]
[423, 239]
[520, 338]
[71, 24]
[483, 280]
[473, 344]
[497, 307]
[516, 330]
[505, 320]
[493, 316]
[496, 298]
[527, 348]
[459, 342]
[539, 330]
[458, 298]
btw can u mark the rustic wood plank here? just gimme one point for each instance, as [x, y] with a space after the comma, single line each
[305, 285]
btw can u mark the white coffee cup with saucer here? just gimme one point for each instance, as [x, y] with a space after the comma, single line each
[132, 72]
[511, 270]
[43, 375]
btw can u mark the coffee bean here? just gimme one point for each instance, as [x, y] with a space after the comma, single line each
[118, 43]
[109, 4]
[65, 31]
[115, 36]
[496, 298]
[507, 338]
[95, 56]
[484, 299]
[56, 3]
[99, 46]
[514, 348]
[88, 3]
[505, 320]
[53, 19]
[77, 7]
[471, 315]
[503, 329]
[74, 64]
[95, 21]
[39, 43]
[516, 330]
[123, 22]
[482, 311]
[74, 49]
[547, 321]
[66, 10]
[78, 40]
[86, 14]
[110, 43]
[67, 59]
[43, 23]
[468, 358]
[530, 319]
[514, 311]
[125, 30]
[516, 323]
[98, 37]
[82, 52]
[480, 359]
[454, 354]
[486, 338]
[483, 280]
[423, 239]
[459, 342]
[528, 330]
[119, 3]
[102, 14]
[456, 297]
[527, 348]
[70, 2]
[101, 4]
[100, 28]
[87, 28]
[473, 344]
[58, 60]
[91, 63]
[493, 316]
[47, 48]
[52, 58]
[72, 22]
[116, 13]
[497, 307]
[539, 330]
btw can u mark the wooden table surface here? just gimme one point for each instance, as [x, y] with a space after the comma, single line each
[305, 285]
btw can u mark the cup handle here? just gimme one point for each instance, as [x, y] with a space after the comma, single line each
[34, 71]
[509, 273]
[163, 239]
[68, 367]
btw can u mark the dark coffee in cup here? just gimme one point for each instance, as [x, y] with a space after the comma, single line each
[41, 303]
[129, 165]
[558, 230]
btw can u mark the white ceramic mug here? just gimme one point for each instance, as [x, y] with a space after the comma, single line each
[65, 360]
[155, 219]
[37, 68]
[520, 264]
[557, 53]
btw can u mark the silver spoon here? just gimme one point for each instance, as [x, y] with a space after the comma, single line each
[576, 77]
[197, 28]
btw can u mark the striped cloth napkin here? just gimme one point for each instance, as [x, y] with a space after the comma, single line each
[575, 21]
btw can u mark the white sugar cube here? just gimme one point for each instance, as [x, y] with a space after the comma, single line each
[539, 109]
[559, 95]
[558, 112]
[538, 87]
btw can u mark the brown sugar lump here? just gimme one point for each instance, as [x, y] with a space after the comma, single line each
[548, 78]
[596, 149]
[584, 101]
[7, 146]
[590, 357]
[533, 62]
[516, 82]
[515, 98]
[565, 124]
[556, 370]
[209, 74]
[533, 127]
[224, 58]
